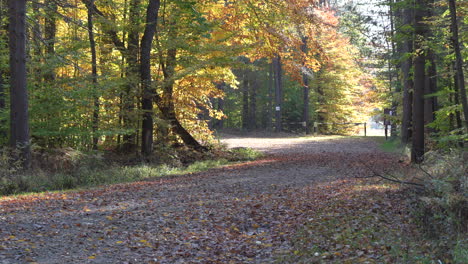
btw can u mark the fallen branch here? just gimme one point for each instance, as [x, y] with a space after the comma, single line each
[391, 177]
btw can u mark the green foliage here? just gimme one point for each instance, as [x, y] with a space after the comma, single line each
[442, 209]
[63, 169]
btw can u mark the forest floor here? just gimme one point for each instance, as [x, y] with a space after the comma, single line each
[305, 201]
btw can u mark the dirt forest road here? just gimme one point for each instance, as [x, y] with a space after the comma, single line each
[256, 212]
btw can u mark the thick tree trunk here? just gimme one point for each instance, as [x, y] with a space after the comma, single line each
[19, 123]
[94, 73]
[458, 59]
[278, 92]
[145, 75]
[417, 150]
[407, 81]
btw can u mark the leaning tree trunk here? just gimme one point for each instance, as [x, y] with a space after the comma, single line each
[92, 43]
[19, 123]
[167, 107]
[459, 59]
[145, 75]
[417, 150]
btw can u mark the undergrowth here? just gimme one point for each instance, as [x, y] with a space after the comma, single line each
[441, 208]
[68, 169]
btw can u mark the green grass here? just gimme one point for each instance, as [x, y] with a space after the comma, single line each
[97, 173]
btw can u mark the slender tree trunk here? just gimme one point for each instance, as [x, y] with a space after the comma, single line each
[393, 88]
[278, 92]
[430, 88]
[305, 80]
[36, 40]
[271, 88]
[3, 125]
[50, 32]
[253, 100]
[407, 82]
[145, 75]
[94, 73]
[456, 97]
[245, 100]
[458, 59]
[220, 107]
[417, 150]
[3, 130]
[19, 120]
[131, 73]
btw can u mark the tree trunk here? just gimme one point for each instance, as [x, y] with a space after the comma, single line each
[3, 130]
[3, 125]
[145, 75]
[220, 123]
[253, 100]
[458, 59]
[407, 82]
[50, 32]
[131, 73]
[19, 123]
[245, 100]
[94, 73]
[305, 80]
[417, 150]
[271, 88]
[456, 97]
[430, 88]
[278, 92]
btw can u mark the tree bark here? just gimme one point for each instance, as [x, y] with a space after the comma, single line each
[131, 73]
[50, 32]
[305, 81]
[417, 150]
[253, 100]
[94, 73]
[145, 75]
[3, 130]
[458, 59]
[3, 125]
[407, 82]
[278, 92]
[19, 123]
[271, 88]
[245, 100]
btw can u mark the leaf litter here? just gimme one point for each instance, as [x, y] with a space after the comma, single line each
[301, 203]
